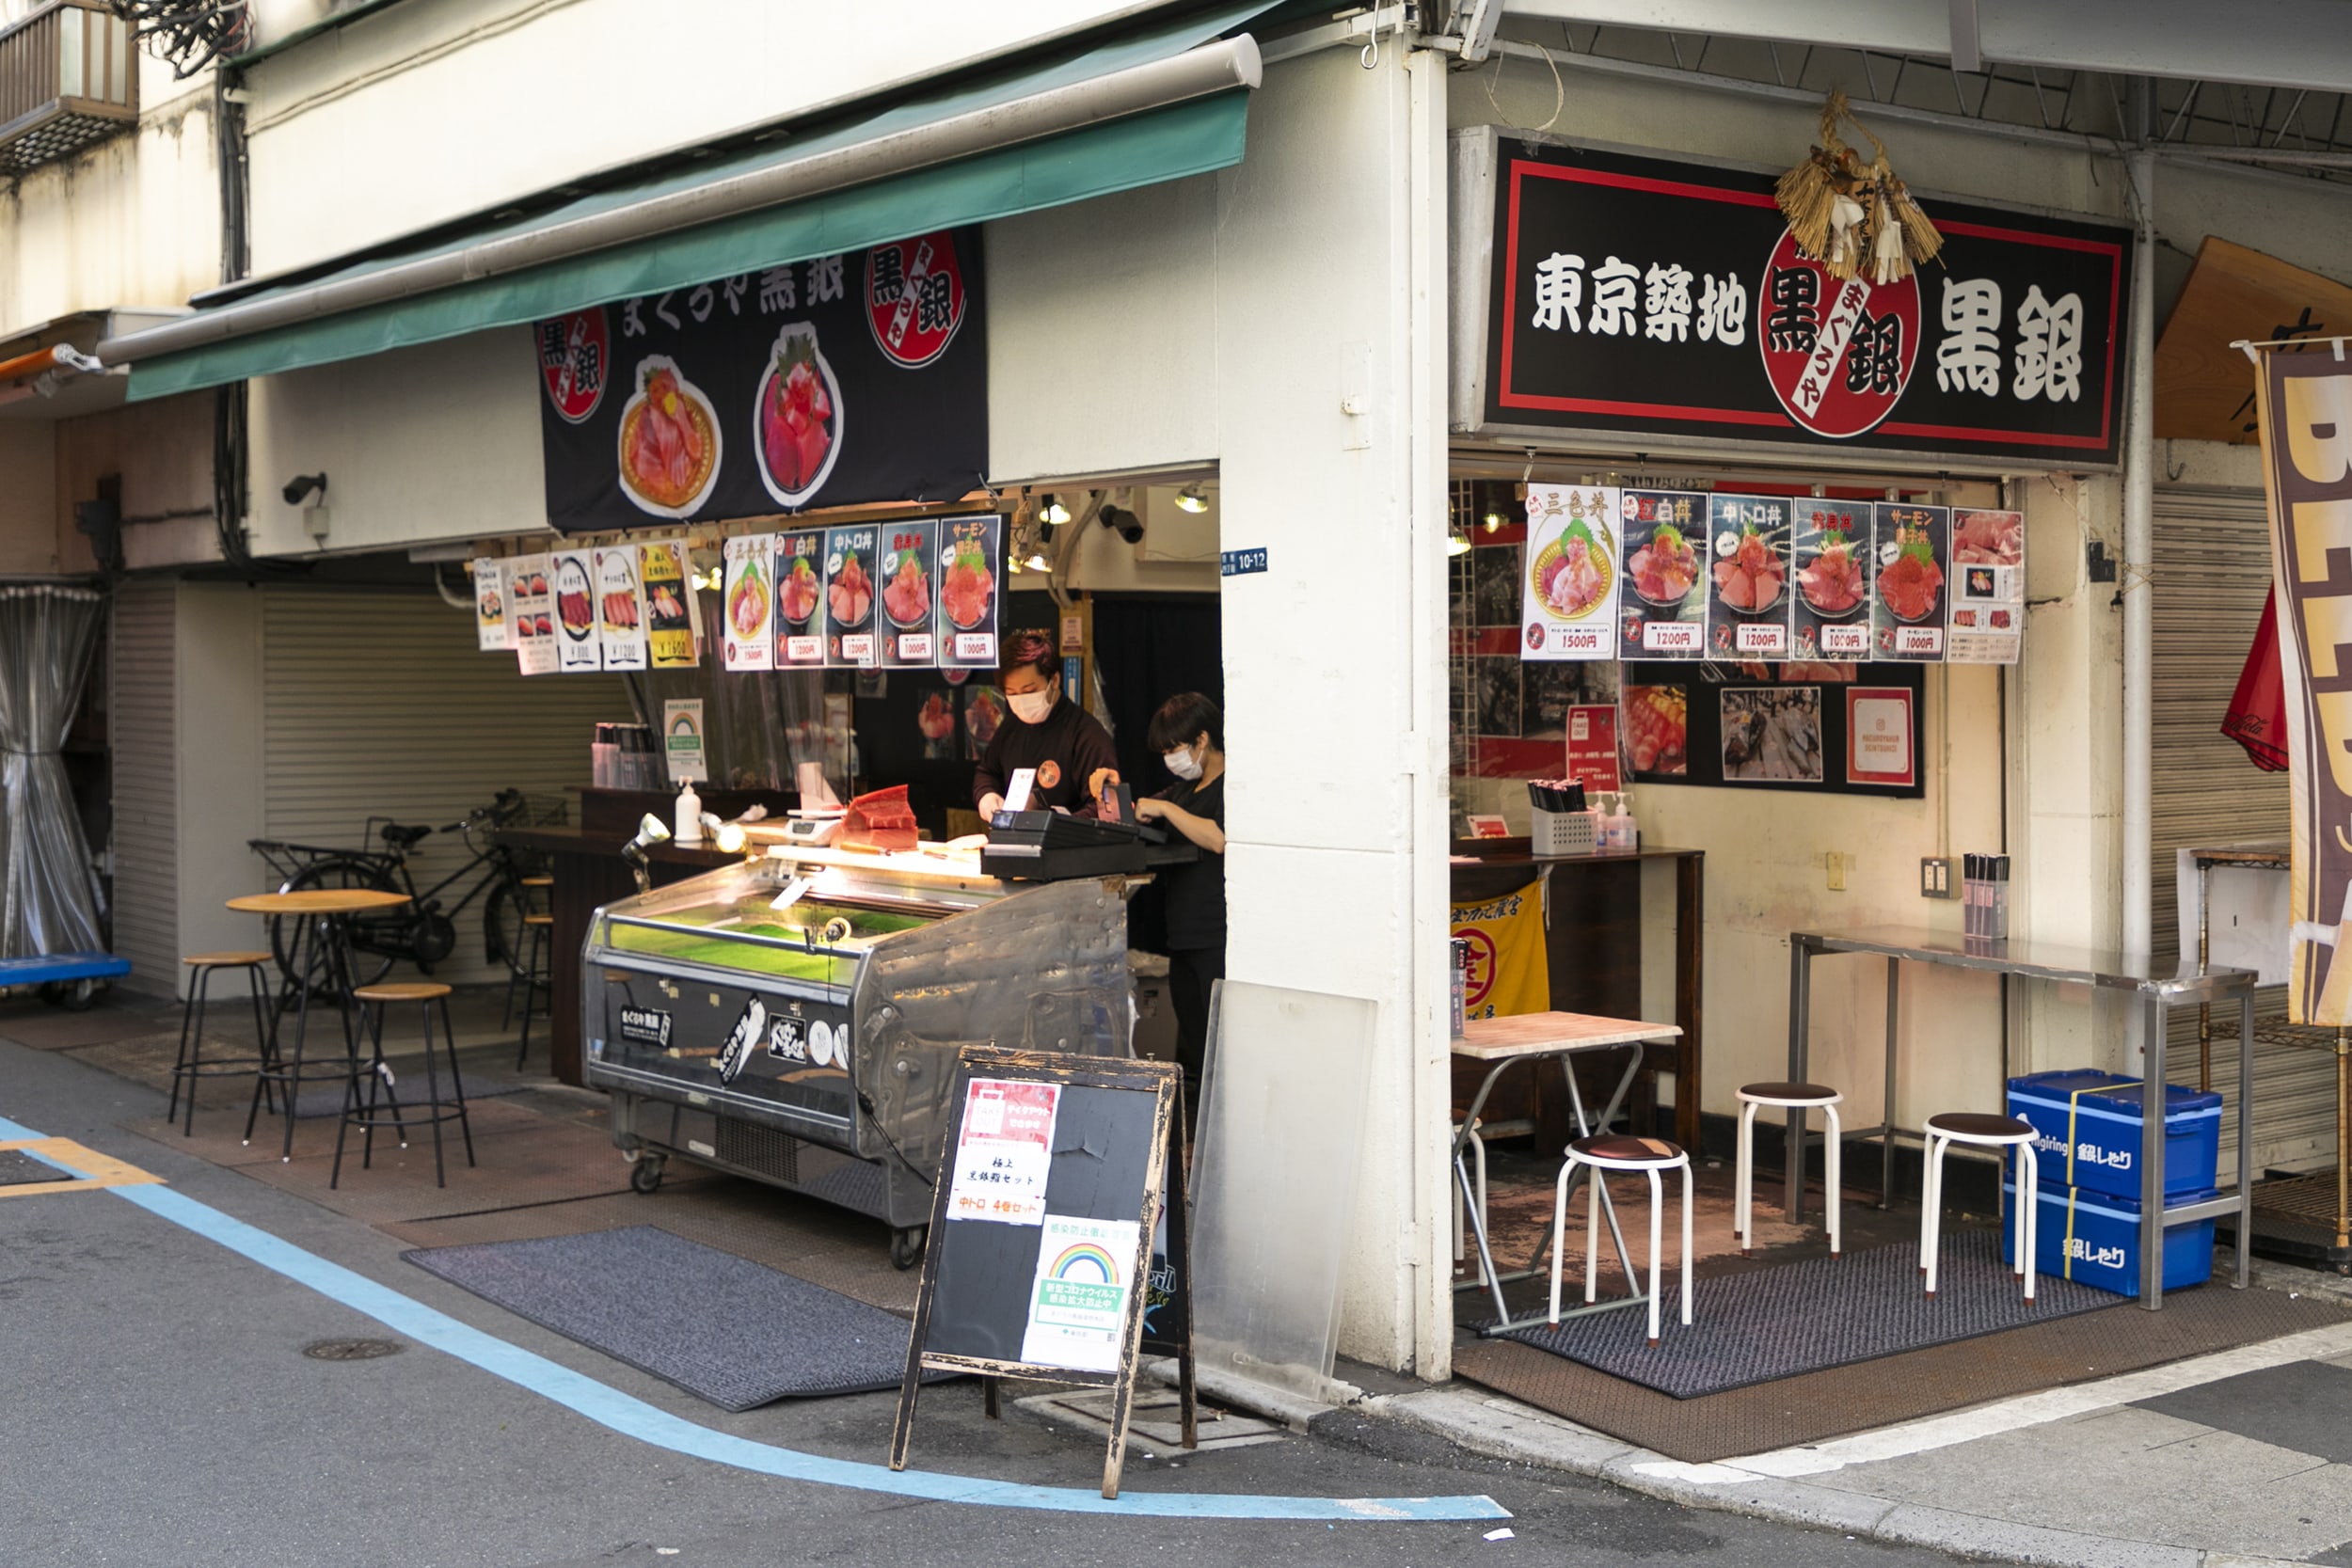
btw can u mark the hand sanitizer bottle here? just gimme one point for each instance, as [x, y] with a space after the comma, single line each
[690, 814]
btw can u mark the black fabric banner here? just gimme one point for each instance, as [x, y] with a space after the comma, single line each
[1650, 296]
[840, 381]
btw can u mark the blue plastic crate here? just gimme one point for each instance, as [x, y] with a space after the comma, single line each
[2089, 1127]
[2093, 1239]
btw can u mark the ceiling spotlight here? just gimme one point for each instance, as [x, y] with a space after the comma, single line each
[1494, 522]
[1189, 499]
[1037, 562]
[1054, 512]
[1456, 544]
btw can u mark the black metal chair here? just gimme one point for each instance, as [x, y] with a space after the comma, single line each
[383, 1107]
[190, 1064]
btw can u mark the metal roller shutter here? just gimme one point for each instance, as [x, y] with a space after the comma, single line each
[142, 675]
[377, 703]
[2211, 569]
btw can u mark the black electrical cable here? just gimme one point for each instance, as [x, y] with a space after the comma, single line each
[190, 34]
[865, 1103]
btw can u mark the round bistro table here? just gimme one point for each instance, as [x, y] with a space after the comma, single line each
[322, 939]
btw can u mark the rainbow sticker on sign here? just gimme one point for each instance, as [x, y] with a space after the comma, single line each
[1078, 1302]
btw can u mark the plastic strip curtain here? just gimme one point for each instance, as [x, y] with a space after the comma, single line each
[48, 636]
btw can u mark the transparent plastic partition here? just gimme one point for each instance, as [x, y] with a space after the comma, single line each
[1274, 1180]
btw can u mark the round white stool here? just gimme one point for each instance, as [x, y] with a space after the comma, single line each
[1807, 1097]
[1980, 1130]
[1617, 1151]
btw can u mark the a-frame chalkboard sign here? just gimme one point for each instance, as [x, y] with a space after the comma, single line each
[1055, 1173]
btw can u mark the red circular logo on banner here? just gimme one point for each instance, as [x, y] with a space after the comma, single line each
[1837, 352]
[575, 359]
[915, 297]
[1478, 977]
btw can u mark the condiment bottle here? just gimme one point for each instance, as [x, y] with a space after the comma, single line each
[690, 813]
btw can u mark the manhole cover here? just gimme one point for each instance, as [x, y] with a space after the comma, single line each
[17, 1168]
[351, 1350]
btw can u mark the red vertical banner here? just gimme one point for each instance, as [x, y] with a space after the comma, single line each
[1592, 747]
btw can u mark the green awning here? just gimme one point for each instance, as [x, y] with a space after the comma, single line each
[1191, 137]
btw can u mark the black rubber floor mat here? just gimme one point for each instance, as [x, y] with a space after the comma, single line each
[1809, 1316]
[727, 1330]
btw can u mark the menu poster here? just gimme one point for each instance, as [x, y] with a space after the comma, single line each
[620, 608]
[1832, 605]
[492, 630]
[1004, 1152]
[1662, 535]
[531, 606]
[850, 640]
[749, 601]
[578, 650]
[1568, 607]
[800, 598]
[1907, 610]
[970, 565]
[1747, 589]
[670, 639]
[1988, 613]
[1592, 758]
[909, 567]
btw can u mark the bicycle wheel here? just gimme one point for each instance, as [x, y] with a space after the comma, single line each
[376, 939]
[503, 923]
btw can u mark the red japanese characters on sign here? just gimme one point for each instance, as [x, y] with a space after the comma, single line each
[575, 357]
[1592, 747]
[915, 297]
[1839, 352]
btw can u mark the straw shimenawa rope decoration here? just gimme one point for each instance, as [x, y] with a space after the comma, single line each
[1853, 218]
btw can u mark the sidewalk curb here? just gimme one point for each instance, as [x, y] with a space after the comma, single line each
[1498, 1428]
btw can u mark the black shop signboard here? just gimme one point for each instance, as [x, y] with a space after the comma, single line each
[835, 381]
[1667, 301]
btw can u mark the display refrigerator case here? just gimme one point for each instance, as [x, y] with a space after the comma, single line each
[796, 1019]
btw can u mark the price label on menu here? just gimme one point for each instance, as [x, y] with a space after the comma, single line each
[804, 650]
[858, 647]
[1671, 637]
[1762, 640]
[1846, 640]
[1583, 639]
[914, 648]
[1918, 639]
[976, 645]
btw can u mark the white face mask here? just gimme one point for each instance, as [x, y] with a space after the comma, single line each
[1031, 707]
[1181, 763]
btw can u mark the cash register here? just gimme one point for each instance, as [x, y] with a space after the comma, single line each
[1025, 845]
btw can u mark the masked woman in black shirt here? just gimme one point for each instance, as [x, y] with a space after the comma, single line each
[1189, 734]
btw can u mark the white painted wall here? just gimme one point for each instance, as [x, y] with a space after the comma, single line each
[220, 764]
[495, 99]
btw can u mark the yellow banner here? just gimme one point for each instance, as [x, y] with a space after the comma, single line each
[1509, 968]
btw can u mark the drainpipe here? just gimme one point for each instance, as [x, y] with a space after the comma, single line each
[2139, 529]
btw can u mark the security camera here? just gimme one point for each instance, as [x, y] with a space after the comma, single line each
[299, 488]
[1125, 523]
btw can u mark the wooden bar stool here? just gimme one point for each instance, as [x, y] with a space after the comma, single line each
[1808, 1097]
[1621, 1152]
[432, 1108]
[1980, 1130]
[190, 1064]
[538, 897]
[538, 930]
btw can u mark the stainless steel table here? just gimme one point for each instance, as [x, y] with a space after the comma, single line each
[1534, 1037]
[2158, 988]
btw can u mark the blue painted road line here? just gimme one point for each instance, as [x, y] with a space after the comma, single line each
[633, 1417]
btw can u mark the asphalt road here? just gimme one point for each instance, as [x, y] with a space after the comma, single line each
[164, 1416]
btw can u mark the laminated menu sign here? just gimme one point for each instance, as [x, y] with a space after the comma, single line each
[1592, 759]
[1569, 607]
[909, 567]
[850, 640]
[750, 602]
[1663, 612]
[1747, 590]
[800, 594]
[1004, 1152]
[1832, 605]
[620, 608]
[531, 607]
[1907, 610]
[578, 648]
[1988, 610]
[1078, 1301]
[670, 631]
[971, 564]
[492, 630]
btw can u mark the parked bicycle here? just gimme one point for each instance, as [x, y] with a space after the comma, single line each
[421, 931]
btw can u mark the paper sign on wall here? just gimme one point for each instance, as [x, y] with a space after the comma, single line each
[1988, 613]
[971, 566]
[682, 738]
[531, 607]
[850, 640]
[1592, 747]
[800, 598]
[1004, 1153]
[578, 648]
[492, 630]
[620, 608]
[661, 571]
[1878, 736]
[749, 602]
[909, 571]
[1568, 595]
[1078, 1302]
